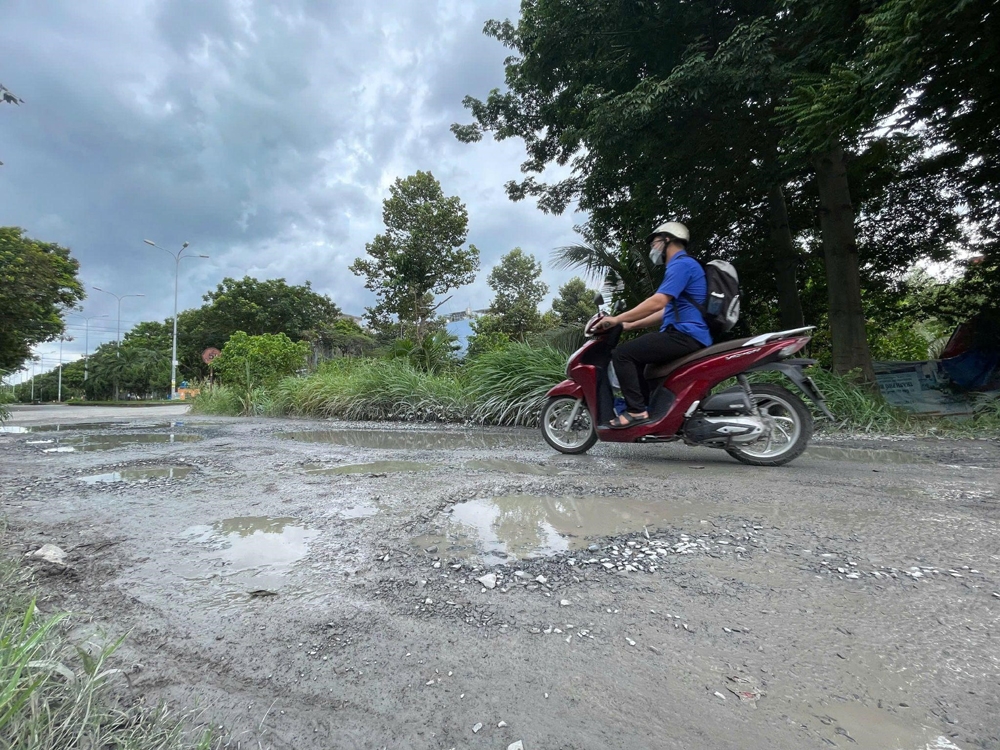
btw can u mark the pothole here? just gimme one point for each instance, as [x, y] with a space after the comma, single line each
[517, 467]
[864, 455]
[77, 426]
[524, 526]
[138, 475]
[85, 443]
[401, 439]
[375, 467]
[254, 543]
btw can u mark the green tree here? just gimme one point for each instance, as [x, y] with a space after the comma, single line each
[249, 362]
[420, 254]
[259, 307]
[575, 303]
[38, 284]
[517, 293]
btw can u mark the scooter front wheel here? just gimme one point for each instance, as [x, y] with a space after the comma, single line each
[567, 425]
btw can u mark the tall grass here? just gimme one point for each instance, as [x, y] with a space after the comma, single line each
[508, 387]
[55, 696]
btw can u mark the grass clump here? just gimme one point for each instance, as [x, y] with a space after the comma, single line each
[509, 385]
[54, 695]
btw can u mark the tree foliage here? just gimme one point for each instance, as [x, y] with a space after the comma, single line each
[517, 292]
[575, 303]
[249, 362]
[38, 284]
[422, 253]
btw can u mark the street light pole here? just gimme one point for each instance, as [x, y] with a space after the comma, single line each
[86, 340]
[178, 256]
[59, 390]
[118, 334]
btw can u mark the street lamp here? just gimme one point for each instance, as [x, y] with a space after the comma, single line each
[118, 335]
[178, 257]
[62, 338]
[86, 339]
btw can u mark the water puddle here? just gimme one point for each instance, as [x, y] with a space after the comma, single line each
[375, 467]
[401, 439]
[517, 467]
[77, 426]
[522, 526]
[84, 443]
[864, 455]
[139, 474]
[254, 543]
[872, 729]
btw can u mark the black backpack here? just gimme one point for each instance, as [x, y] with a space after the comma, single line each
[721, 310]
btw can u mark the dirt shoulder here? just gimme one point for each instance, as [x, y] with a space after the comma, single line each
[638, 596]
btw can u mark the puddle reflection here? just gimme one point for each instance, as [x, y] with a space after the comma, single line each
[864, 455]
[85, 443]
[255, 542]
[139, 474]
[523, 526]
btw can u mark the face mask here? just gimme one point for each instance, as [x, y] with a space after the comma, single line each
[656, 257]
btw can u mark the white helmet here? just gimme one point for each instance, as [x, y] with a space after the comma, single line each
[674, 230]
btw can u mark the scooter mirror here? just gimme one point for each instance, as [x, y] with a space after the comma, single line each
[598, 299]
[618, 307]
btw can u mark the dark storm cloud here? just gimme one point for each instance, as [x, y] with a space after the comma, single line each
[266, 134]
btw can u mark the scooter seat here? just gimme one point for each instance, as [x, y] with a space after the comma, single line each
[652, 372]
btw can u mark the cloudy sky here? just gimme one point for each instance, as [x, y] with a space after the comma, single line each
[266, 134]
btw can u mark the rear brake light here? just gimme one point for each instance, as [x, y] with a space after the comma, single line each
[792, 348]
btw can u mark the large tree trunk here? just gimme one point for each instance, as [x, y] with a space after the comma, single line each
[840, 249]
[786, 261]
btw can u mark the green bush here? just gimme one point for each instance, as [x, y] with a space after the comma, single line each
[249, 362]
[5, 398]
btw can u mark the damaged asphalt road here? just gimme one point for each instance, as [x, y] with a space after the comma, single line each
[317, 584]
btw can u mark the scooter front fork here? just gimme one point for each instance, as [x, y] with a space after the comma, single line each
[574, 414]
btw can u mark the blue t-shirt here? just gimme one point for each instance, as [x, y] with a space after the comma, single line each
[684, 276]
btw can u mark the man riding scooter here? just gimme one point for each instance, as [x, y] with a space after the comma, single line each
[682, 329]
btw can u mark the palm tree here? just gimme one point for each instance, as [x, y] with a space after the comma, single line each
[627, 272]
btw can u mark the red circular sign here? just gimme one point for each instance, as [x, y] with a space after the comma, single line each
[209, 354]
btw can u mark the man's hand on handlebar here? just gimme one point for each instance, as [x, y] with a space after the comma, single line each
[606, 323]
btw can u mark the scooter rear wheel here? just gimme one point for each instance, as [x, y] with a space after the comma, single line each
[578, 437]
[789, 427]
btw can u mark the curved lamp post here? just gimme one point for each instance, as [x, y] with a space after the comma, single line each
[178, 257]
[118, 335]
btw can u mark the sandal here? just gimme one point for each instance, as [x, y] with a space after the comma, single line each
[626, 420]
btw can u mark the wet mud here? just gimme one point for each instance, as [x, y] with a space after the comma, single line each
[316, 584]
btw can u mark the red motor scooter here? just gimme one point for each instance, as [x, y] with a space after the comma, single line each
[758, 424]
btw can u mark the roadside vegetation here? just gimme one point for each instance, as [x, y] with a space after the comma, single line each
[55, 694]
[507, 386]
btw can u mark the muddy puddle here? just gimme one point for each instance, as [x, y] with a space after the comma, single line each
[253, 543]
[85, 443]
[138, 474]
[401, 439]
[864, 455]
[78, 426]
[518, 467]
[375, 467]
[392, 467]
[521, 526]
[866, 728]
